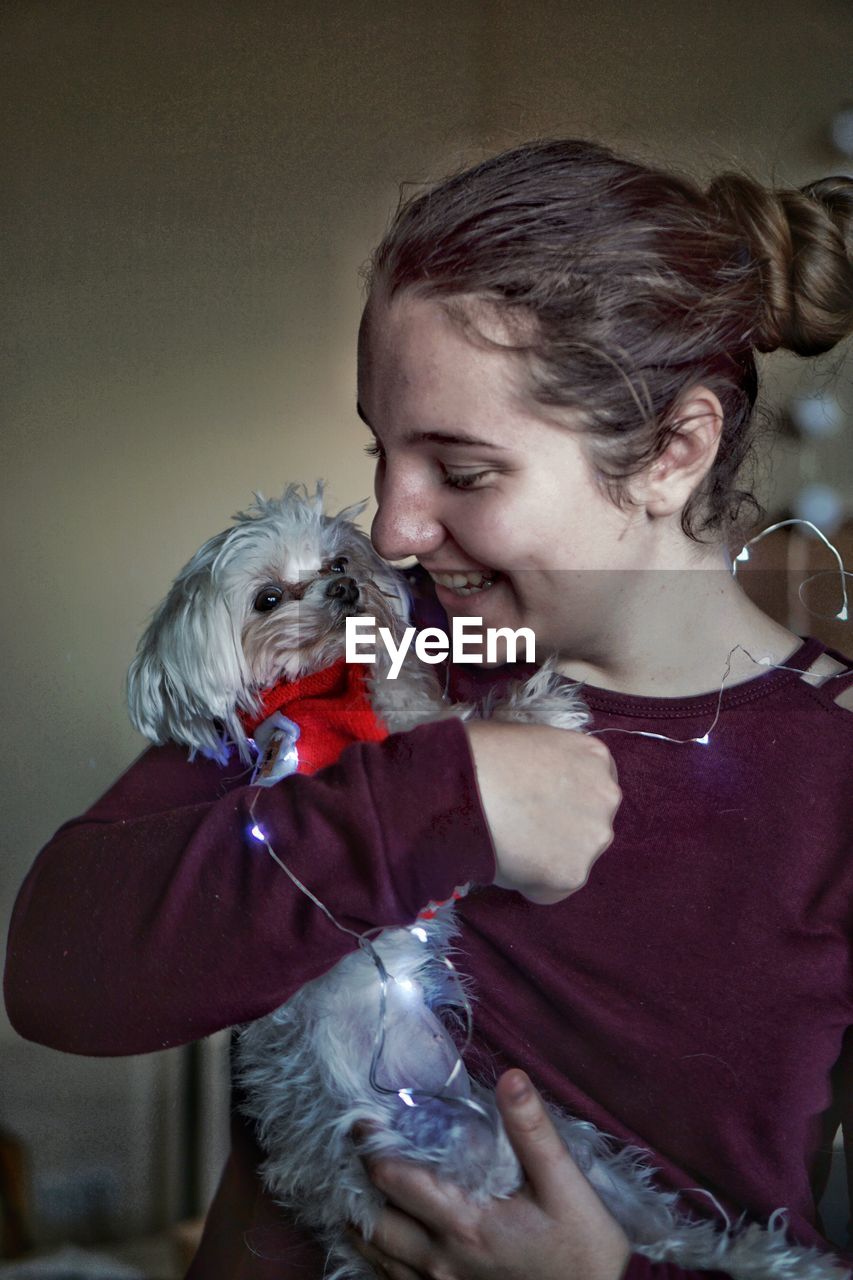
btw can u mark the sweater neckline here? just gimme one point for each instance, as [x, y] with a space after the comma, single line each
[699, 704]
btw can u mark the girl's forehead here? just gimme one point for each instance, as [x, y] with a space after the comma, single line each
[414, 345]
[424, 366]
[393, 327]
[481, 323]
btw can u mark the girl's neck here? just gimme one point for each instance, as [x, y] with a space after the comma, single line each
[672, 632]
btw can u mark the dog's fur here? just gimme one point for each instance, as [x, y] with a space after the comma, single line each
[309, 1069]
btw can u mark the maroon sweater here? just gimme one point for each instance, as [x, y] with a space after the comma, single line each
[696, 997]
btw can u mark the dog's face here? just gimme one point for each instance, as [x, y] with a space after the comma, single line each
[262, 601]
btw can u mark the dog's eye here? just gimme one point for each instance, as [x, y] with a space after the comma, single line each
[337, 566]
[268, 599]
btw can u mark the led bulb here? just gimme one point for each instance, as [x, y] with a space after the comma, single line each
[841, 129]
[817, 414]
[821, 505]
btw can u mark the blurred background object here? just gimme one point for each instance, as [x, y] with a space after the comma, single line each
[190, 188]
[841, 130]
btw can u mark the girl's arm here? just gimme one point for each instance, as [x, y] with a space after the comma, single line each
[155, 918]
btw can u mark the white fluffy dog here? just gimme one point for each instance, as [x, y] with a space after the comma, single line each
[369, 1042]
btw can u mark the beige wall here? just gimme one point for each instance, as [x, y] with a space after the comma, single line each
[192, 187]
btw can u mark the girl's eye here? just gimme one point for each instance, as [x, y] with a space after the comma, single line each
[464, 479]
[337, 566]
[453, 479]
[268, 599]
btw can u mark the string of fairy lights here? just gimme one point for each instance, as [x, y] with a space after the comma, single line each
[407, 987]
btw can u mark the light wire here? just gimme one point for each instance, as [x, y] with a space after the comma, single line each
[743, 555]
[411, 1097]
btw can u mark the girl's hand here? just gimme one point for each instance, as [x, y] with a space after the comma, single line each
[549, 796]
[554, 1228]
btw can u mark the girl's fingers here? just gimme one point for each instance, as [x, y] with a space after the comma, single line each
[416, 1191]
[383, 1265]
[539, 1147]
[400, 1239]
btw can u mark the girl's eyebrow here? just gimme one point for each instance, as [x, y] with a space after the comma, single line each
[436, 437]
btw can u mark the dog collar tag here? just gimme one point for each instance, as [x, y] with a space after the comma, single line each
[278, 757]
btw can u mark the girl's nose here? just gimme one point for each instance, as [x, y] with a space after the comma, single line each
[405, 524]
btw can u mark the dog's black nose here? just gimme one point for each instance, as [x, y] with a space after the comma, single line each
[343, 589]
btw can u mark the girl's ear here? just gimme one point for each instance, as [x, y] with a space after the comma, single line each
[665, 486]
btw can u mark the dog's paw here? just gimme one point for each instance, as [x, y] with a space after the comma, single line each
[545, 698]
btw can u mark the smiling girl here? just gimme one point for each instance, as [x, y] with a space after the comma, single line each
[557, 367]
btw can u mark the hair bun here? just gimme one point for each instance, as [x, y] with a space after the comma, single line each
[802, 243]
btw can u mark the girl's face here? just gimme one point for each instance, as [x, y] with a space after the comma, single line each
[498, 504]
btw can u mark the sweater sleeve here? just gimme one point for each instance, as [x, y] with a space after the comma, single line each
[156, 919]
[845, 1094]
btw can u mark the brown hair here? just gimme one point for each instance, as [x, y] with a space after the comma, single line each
[639, 285]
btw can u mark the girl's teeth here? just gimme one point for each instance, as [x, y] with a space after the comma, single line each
[465, 584]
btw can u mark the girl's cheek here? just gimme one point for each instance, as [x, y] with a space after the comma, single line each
[501, 527]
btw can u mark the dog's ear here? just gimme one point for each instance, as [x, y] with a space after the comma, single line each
[352, 513]
[189, 673]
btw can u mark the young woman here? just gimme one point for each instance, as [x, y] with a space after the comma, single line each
[557, 367]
